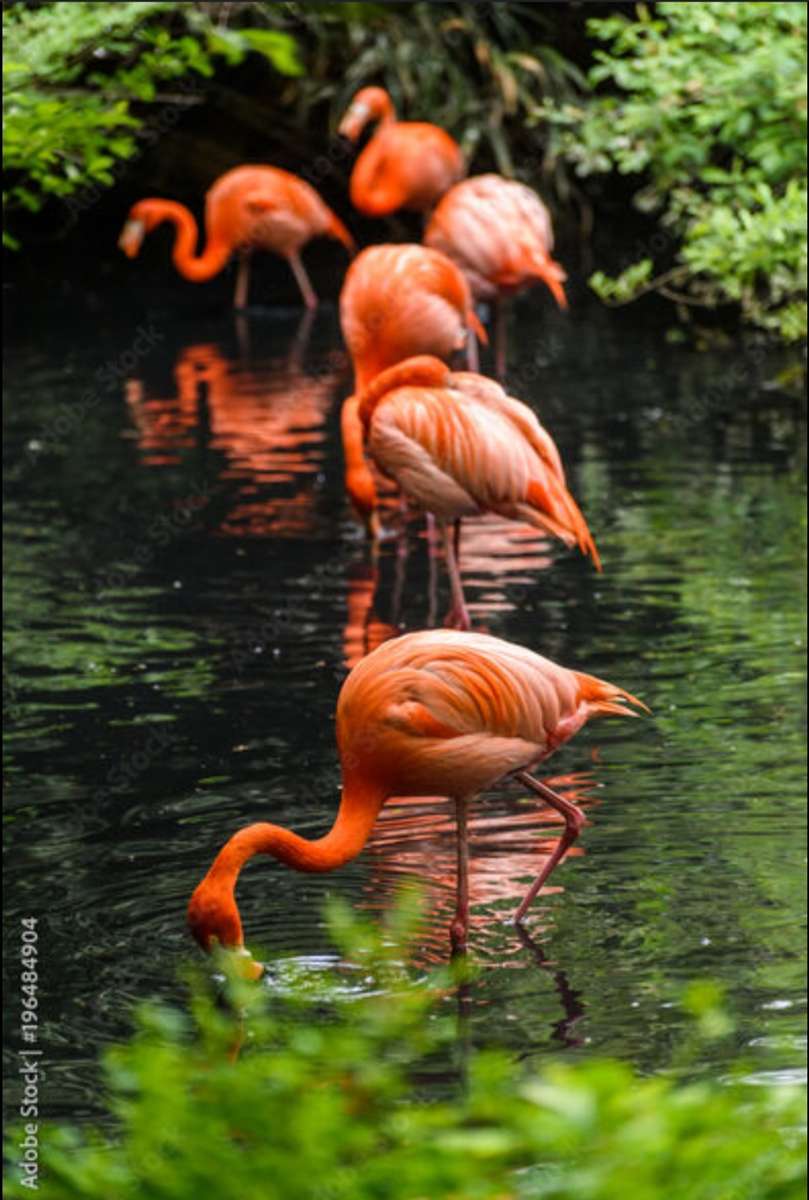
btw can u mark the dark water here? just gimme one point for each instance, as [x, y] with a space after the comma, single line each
[185, 585]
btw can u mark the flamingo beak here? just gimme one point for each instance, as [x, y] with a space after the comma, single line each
[351, 125]
[131, 237]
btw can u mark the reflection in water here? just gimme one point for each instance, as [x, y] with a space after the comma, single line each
[415, 838]
[161, 693]
[267, 418]
[499, 557]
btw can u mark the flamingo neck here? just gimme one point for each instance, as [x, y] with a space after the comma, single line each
[381, 110]
[422, 370]
[190, 266]
[213, 903]
[359, 479]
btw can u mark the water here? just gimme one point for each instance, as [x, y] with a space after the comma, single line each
[186, 586]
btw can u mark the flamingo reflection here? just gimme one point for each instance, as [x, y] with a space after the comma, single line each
[267, 419]
[499, 555]
[414, 840]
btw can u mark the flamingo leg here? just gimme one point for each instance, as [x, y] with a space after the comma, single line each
[574, 822]
[302, 279]
[402, 552]
[472, 357]
[459, 929]
[242, 280]
[458, 616]
[500, 334]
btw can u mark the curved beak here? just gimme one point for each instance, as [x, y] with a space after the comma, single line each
[131, 237]
[353, 122]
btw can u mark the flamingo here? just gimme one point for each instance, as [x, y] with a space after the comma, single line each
[406, 164]
[250, 207]
[457, 444]
[437, 712]
[499, 233]
[396, 302]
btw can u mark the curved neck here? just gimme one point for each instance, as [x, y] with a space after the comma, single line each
[382, 110]
[197, 269]
[374, 107]
[359, 478]
[355, 818]
[422, 370]
[213, 910]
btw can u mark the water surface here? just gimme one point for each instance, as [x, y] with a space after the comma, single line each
[186, 587]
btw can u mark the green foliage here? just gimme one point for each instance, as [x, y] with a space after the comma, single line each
[314, 1092]
[71, 72]
[480, 70]
[711, 110]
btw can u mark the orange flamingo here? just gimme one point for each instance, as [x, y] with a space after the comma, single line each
[396, 302]
[457, 445]
[406, 164]
[432, 713]
[248, 208]
[499, 233]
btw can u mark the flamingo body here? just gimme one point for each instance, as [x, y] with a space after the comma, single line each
[447, 713]
[397, 301]
[457, 444]
[499, 233]
[406, 164]
[432, 713]
[248, 208]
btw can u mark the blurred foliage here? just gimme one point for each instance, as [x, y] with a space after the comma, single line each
[480, 70]
[313, 1092]
[711, 111]
[72, 71]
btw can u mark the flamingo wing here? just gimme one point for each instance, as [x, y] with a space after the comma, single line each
[458, 710]
[455, 455]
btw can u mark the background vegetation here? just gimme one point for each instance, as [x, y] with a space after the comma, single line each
[698, 113]
[706, 108]
[315, 1093]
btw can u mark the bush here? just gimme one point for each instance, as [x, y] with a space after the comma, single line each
[711, 112]
[318, 1092]
[72, 71]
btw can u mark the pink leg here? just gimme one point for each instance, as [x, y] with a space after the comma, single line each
[299, 271]
[500, 333]
[472, 359]
[432, 536]
[458, 616]
[459, 929]
[575, 820]
[242, 280]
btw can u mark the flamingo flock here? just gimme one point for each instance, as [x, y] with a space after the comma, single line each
[448, 711]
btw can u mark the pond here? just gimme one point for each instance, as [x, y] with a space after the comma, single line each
[186, 587]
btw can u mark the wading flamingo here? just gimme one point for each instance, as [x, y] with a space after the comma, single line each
[396, 302]
[406, 164]
[432, 713]
[499, 233]
[457, 444]
[248, 208]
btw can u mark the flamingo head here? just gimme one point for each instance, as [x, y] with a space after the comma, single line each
[142, 218]
[213, 918]
[370, 103]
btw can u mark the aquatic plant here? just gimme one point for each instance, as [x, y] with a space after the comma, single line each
[313, 1091]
